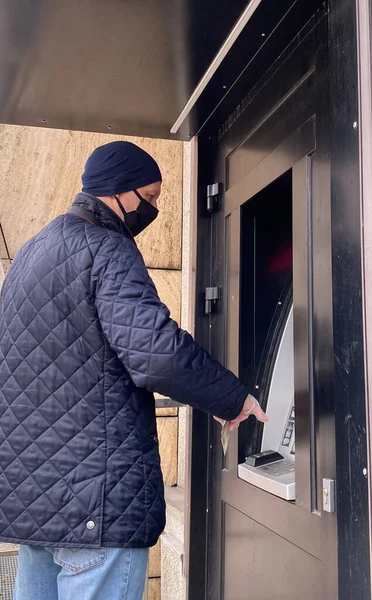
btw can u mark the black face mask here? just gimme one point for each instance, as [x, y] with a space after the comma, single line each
[137, 220]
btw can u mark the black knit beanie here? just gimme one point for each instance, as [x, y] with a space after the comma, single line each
[118, 167]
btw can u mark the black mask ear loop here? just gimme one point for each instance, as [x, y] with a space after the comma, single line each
[121, 207]
[141, 198]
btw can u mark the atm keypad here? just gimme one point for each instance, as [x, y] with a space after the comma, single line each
[282, 467]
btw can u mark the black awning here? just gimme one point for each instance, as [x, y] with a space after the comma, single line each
[106, 65]
[128, 66]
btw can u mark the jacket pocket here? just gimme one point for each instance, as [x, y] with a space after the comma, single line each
[80, 559]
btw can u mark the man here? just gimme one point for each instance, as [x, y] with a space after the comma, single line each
[84, 343]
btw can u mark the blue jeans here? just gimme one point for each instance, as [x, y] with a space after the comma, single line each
[81, 574]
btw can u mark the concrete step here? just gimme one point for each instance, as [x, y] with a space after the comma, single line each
[8, 549]
[174, 497]
[173, 583]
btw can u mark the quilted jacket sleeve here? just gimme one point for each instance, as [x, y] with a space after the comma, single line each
[158, 355]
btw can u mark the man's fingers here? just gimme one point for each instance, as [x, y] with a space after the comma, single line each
[257, 412]
[260, 415]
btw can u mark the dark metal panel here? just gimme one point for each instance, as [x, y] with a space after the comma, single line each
[284, 74]
[265, 566]
[322, 346]
[281, 517]
[218, 342]
[292, 149]
[352, 496]
[254, 59]
[200, 450]
[270, 131]
[208, 24]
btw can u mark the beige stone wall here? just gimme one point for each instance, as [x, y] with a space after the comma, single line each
[40, 173]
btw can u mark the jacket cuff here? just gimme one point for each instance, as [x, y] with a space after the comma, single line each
[235, 409]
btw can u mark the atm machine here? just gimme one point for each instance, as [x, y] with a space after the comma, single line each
[266, 456]
[272, 531]
[273, 468]
[275, 518]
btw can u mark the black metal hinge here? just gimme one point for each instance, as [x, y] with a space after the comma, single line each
[213, 191]
[212, 294]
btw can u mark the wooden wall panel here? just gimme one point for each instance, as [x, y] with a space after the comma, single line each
[168, 446]
[154, 589]
[40, 172]
[167, 412]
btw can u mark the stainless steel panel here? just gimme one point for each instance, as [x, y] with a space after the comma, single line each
[283, 486]
[365, 132]
[302, 298]
[329, 495]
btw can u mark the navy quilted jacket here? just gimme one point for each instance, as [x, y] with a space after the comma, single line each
[84, 343]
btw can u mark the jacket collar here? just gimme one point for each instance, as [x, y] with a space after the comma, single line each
[107, 217]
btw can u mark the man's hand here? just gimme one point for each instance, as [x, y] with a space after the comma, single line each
[250, 407]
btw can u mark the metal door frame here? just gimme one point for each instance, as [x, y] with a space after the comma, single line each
[294, 153]
[364, 20]
[350, 377]
[234, 490]
[304, 148]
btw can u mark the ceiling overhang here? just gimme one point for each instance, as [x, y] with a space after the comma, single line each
[126, 67]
